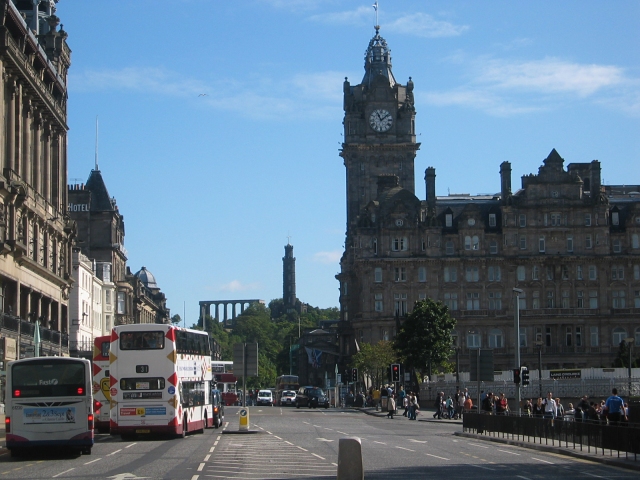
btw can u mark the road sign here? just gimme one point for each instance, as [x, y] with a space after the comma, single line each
[245, 352]
[485, 364]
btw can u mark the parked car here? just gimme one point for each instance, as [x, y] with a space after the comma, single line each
[288, 398]
[218, 408]
[312, 397]
[265, 397]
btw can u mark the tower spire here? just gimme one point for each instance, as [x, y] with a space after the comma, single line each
[377, 25]
[97, 143]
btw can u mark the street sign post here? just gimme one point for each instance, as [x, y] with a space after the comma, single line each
[245, 364]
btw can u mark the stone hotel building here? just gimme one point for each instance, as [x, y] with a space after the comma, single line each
[568, 242]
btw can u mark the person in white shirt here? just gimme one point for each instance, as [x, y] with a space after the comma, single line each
[550, 406]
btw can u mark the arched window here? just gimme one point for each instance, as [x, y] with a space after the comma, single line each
[619, 334]
[467, 242]
[635, 241]
[475, 243]
[495, 338]
[474, 339]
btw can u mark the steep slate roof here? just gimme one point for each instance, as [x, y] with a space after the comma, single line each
[100, 199]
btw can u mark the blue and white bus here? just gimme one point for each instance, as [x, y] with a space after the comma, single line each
[49, 403]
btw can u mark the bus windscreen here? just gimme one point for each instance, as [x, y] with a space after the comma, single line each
[48, 379]
[141, 341]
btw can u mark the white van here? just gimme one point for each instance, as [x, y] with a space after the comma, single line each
[265, 397]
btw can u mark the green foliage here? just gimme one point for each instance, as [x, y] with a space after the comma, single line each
[374, 361]
[274, 337]
[425, 336]
[175, 319]
[622, 358]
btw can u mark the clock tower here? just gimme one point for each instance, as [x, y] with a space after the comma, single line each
[379, 130]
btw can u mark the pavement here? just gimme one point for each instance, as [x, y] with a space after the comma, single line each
[625, 460]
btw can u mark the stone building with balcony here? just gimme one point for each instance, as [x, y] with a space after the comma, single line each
[569, 243]
[35, 231]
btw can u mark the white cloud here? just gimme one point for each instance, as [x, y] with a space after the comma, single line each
[504, 88]
[424, 25]
[267, 98]
[350, 17]
[551, 75]
[238, 286]
[417, 24]
[327, 257]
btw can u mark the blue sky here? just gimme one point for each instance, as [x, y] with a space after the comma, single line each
[220, 122]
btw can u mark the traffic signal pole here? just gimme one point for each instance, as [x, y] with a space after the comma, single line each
[516, 321]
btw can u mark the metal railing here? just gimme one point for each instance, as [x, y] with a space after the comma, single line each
[27, 330]
[593, 437]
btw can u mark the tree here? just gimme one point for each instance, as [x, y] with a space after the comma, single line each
[373, 361]
[424, 340]
[175, 319]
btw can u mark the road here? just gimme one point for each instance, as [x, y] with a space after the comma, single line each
[303, 443]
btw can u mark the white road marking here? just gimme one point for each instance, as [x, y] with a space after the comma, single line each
[303, 449]
[523, 478]
[276, 436]
[201, 467]
[317, 426]
[324, 440]
[341, 433]
[321, 458]
[381, 443]
[92, 461]
[476, 445]
[544, 461]
[334, 464]
[131, 445]
[288, 442]
[593, 475]
[62, 473]
[507, 451]
[195, 477]
[435, 456]
[113, 453]
[408, 449]
[212, 449]
[206, 459]
[417, 441]
[268, 432]
[480, 466]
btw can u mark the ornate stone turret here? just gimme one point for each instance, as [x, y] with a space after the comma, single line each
[377, 60]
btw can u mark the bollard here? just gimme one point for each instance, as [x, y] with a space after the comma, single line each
[350, 466]
[244, 419]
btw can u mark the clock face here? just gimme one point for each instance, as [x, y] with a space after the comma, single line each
[380, 120]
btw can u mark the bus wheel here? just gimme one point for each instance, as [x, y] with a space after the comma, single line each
[16, 452]
[184, 426]
[204, 425]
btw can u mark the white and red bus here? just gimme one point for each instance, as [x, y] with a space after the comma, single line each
[49, 404]
[226, 382]
[101, 383]
[160, 379]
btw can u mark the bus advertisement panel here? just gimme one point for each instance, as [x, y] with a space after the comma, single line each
[160, 380]
[49, 403]
[101, 384]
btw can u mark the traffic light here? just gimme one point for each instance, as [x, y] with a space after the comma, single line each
[354, 374]
[395, 372]
[525, 376]
[516, 376]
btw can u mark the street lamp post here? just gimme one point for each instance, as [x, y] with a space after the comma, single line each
[516, 322]
[539, 344]
[630, 341]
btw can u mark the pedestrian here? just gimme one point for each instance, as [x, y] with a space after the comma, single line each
[502, 405]
[487, 403]
[392, 406]
[468, 404]
[438, 405]
[460, 404]
[405, 404]
[412, 406]
[538, 408]
[528, 407]
[550, 407]
[559, 409]
[614, 407]
[449, 406]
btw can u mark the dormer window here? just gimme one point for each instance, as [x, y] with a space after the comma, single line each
[615, 218]
[448, 220]
[492, 219]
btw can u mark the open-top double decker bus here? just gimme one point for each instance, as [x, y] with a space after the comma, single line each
[160, 380]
